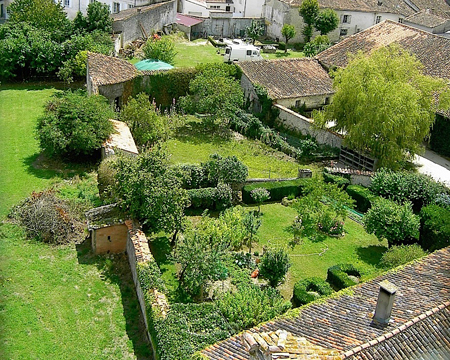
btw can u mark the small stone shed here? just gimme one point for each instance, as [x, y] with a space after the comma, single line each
[121, 140]
[108, 232]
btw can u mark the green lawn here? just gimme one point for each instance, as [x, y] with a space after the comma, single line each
[55, 302]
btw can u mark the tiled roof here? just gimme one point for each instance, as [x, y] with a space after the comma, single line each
[344, 323]
[107, 70]
[121, 138]
[437, 7]
[431, 50]
[426, 18]
[289, 78]
[126, 14]
[187, 20]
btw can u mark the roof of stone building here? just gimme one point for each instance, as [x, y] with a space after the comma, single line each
[289, 78]
[187, 20]
[345, 323]
[121, 139]
[104, 216]
[128, 13]
[426, 18]
[431, 50]
[107, 70]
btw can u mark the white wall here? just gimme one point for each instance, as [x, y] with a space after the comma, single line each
[81, 5]
[248, 8]
[196, 8]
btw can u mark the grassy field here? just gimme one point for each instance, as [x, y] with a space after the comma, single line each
[55, 302]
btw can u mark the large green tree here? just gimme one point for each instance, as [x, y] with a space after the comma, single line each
[326, 21]
[384, 104]
[288, 31]
[254, 31]
[309, 10]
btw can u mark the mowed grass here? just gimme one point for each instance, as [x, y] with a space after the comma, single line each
[55, 302]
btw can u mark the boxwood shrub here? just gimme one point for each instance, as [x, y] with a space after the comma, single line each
[277, 189]
[218, 198]
[338, 275]
[434, 227]
[304, 290]
[362, 196]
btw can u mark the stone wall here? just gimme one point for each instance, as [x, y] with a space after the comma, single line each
[357, 177]
[111, 239]
[226, 26]
[297, 122]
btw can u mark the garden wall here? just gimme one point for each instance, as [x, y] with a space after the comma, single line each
[295, 121]
[356, 177]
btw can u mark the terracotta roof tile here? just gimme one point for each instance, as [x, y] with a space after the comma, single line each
[107, 70]
[431, 50]
[289, 78]
[426, 18]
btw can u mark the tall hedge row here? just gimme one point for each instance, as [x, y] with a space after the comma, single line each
[362, 195]
[277, 189]
[434, 227]
[440, 135]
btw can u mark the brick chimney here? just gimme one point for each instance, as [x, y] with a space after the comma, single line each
[385, 302]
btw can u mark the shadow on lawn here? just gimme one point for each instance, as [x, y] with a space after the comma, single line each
[116, 269]
[371, 254]
[200, 133]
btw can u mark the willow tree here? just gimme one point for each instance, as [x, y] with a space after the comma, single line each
[385, 104]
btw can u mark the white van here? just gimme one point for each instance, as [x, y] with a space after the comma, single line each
[241, 52]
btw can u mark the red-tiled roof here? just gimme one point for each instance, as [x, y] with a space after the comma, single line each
[419, 319]
[289, 78]
[431, 50]
[107, 70]
[426, 18]
[187, 20]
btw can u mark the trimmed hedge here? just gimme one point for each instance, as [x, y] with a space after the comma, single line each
[362, 196]
[338, 275]
[277, 189]
[340, 181]
[440, 135]
[218, 198]
[434, 227]
[302, 290]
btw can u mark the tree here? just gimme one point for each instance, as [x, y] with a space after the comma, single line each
[229, 170]
[326, 21]
[274, 266]
[319, 44]
[98, 17]
[254, 31]
[145, 124]
[251, 225]
[384, 104]
[309, 10]
[288, 31]
[391, 221]
[74, 124]
[259, 195]
[160, 48]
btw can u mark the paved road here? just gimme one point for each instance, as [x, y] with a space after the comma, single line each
[434, 165]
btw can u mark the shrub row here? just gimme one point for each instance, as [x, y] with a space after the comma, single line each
[338, 275]
[362, 196]
[310, 289]
[434, 227]
[277, 189]
[218, 198]
[439, 136]
[340, 181]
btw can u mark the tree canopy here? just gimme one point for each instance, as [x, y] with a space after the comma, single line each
[254, 31]
[288, 31]
[309, 10]
[326, 21]
[384, 104]
[160, 48]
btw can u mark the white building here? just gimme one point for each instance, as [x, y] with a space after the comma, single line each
[73, 6]
[235, 8]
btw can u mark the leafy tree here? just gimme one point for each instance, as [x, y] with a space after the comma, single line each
[319, 44]
[384, 104]
[288, 31]
[80, 22]
[326, 21]
[391, 221]
[150, 190]
[254, 31]
[160, 48]
[74, 124]
[309, 10]
[98, 17]
[274, 266]
[228, 170]
[145, 124]
[259, 195]
[251, 225]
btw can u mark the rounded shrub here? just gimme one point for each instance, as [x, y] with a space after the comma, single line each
[399, 255]
[310, 289]
[106, 178]
[339, 276]
[434, 227]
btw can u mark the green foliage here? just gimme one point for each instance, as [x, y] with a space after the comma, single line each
[250, 306]
[255, 30]
[217, 198]
[150, 190]
[288, 32]
[228, 170]
[149, 276]
[338, 275]
[326, 21]
[363, 197]
[106, 179]
[404, 186]
[340, 181]
[194, 176]
[434, 227]
[385, 105]
[75, 124]
[146, 125]
[309, 10]
[440, 135]
[310, 289]
[259, 195]
[277, 189]
[443, 200]
[319, 44]
[274, 265]
[251, 224]
[162, 49]
[402, 254]
[268, 112]
[391, 221]
[98, 17]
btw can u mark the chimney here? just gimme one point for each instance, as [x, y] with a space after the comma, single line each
[385, 302]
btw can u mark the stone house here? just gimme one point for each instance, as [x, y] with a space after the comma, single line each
[402, 315]
[427, 21]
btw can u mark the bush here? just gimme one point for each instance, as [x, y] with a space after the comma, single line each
[274, 266]
[434, 227]
[194, 176]
[340, 181]
[310, 289]
[402, 254]
[160, 48]
[218, 198]
[439, 136]
[149, 276]
[391, 221]
[443, 200]
[363, 197]
[338, 275]
[228, 170]
[75, 124]
[106, 178]
[277, 189]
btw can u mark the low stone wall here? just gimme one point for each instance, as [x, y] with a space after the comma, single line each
[357, 177]
[297, 122]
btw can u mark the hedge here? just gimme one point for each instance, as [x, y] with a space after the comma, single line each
[211, 198]
[362, 196]
[338, 275]
[277, 189]
[440, 135]
[340, 181]
[434, 227]
[303, 290]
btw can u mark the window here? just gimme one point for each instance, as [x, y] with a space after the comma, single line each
[91, 1]
[378, 19]
[215, 7]
[400, 20]
[346, 19]
[67, 3]
[227, 8]
[249, 52]
[343, 32]
[130, 6]
[327, 100]
[2, 14]
[116, 7]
